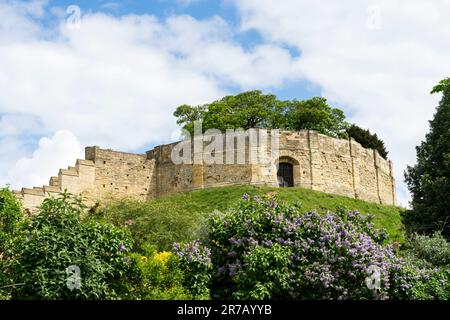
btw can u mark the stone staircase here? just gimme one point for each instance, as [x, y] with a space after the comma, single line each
[75, 180]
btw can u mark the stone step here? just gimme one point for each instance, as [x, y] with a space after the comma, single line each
[51, 189]
[85, 163]
[72, 171]
[35, 191]
[54, 182]
[18, 194]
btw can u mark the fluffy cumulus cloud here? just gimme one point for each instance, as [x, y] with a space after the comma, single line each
[378, 59]
[113, 81]
[54, 152]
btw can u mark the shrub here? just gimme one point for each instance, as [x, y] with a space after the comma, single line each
[269, 250]
[195, 262]
[433, 284]
[157, 275]
[57, 238]
[434, 249]
[418, 280]
[10, 213]
[10, 217]
[426, 267]
[266, 273]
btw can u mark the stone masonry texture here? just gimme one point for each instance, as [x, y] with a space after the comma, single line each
[320, 162]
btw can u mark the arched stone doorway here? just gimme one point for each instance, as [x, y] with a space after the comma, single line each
[287, 172]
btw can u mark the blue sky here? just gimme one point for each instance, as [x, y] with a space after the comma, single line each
[116, 80]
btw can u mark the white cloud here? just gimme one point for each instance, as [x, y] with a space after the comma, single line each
[116, 81]
[58, 151]
[382, 73]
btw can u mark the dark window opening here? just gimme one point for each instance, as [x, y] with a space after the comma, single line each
[285, 175]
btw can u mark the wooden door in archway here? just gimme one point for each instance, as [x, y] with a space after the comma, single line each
[285, 174]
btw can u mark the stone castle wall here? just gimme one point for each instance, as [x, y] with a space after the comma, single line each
[319, 162]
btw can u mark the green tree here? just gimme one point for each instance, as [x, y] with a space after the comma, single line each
[367, 139]
[316, 114]
[253, 109]
[429, 180]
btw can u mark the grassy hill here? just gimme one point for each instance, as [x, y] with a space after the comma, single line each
[181, 217]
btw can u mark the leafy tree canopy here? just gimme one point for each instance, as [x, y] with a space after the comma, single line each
[367, 139]
[429, 180]
[253, 109]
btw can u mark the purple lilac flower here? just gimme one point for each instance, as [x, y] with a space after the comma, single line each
[122, 247]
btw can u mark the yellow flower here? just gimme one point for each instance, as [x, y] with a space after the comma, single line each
[144, 259]
[162, 257]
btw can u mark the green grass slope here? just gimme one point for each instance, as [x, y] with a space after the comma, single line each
[181, 217]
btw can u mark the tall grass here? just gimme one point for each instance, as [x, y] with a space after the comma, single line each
[182, 217]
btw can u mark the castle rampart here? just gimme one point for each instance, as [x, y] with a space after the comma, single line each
[310, 160]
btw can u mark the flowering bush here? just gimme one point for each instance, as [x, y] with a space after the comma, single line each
[268, 250]
[195, 262]
[156, 275]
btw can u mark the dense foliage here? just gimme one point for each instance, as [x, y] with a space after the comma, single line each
[10, 213]
[367, 139]
[40, 254]
[10, 218]
[260, 249]
[253, 109]
[433, 249]
[429, 180]
[195, 262]
[156, 276]
[56, 238]
[267, 250]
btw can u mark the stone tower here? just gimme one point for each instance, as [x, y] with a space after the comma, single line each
[305, 158]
